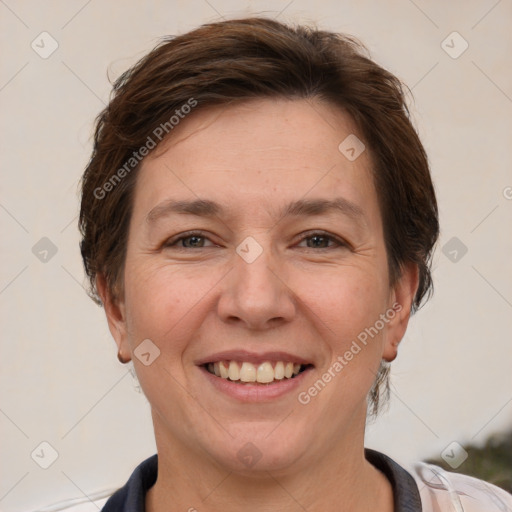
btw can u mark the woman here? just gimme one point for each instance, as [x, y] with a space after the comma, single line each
[258, 219]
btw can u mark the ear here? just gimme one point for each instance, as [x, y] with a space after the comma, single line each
[401, 299]
[116, 318]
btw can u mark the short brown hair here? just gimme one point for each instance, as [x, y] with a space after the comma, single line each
[244, 59]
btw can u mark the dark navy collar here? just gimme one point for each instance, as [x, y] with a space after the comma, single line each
[405, 490]
[132, 496]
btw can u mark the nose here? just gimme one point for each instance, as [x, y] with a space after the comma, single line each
[255, 293]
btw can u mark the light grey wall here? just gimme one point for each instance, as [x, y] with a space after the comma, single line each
[60, 379]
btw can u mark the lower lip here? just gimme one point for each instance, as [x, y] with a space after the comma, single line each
[255, 392]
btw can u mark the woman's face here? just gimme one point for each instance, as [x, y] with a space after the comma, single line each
[258, 275]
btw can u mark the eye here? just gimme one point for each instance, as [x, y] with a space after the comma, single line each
[320, 240]
[197, 240]
[189, 240]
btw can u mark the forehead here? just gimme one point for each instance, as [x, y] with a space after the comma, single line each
[257, 154]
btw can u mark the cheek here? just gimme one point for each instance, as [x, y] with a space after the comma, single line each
[349, 310]
[156, 306]
[346, 302]
[165, 303]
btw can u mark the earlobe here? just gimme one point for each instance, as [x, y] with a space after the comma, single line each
[115, 312]
[402, 298]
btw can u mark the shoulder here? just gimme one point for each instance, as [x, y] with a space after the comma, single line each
[445, 491]
[130, 497]
[94, 502]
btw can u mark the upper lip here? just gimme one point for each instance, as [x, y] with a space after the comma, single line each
[251, 357]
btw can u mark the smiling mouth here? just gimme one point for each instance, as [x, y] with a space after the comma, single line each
[244, 372]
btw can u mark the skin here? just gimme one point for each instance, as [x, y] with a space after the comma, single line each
[311, 300]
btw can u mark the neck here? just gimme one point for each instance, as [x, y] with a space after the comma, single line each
[340, 479]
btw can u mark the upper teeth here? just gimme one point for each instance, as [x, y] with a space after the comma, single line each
[248, 372]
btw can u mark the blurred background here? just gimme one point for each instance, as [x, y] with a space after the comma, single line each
[73, 420]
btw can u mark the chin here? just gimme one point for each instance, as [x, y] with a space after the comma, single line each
[259, 448]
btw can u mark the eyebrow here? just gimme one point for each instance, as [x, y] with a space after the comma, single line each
[299, 208]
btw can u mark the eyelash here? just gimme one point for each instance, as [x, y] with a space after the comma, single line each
[172, 243]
